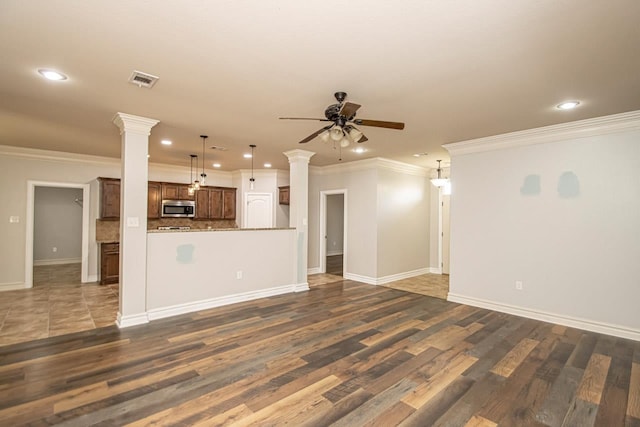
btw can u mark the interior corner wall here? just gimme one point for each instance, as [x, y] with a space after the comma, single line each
[403, 212]
[434, 228]
[361, 218]
[561, 217]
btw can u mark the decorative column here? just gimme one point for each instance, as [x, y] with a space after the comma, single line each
[299, 210]
[135, 133]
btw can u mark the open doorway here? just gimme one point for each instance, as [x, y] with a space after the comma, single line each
[333, 231]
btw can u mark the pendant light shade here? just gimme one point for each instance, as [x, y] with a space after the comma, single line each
[252, 180]
[439, 181]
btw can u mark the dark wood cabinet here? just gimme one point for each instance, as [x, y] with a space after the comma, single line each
[283, 195]
[176, 192]
[109, 263]
[154, 200]
[216, 203]
[109, 198]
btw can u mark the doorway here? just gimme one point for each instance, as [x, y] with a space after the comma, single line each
[82, 204]
[333, 232]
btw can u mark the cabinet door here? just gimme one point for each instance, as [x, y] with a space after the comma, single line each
[110, 199]
[154, 200]
[202, 204]
[170, 191]
[215, 203]
[229, 195]
[183, 193]
[109, 263]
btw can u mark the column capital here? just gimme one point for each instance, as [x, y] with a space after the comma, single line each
[298, 155]
[135, 124]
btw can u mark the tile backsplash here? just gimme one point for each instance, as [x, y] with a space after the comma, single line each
[109, 231]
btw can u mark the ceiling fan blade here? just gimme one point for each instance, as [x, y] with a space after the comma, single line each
[363, 139]
[379, 124]
[349, 109]
[303, 118]
[316, 133]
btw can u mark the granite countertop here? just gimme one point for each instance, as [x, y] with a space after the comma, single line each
[218, 229]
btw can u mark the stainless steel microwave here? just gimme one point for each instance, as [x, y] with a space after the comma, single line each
[178, 208]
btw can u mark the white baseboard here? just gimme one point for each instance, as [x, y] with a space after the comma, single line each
[385, 279]
[435, 270]
[399, 276]
[92, 278]
[573, 322]
[174, 310]
[12, 286]
[358, 278]
[59, 261]
[131, 320]
[313, 270]
[333, 253]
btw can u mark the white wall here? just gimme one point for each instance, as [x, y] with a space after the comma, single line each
[57, 223]
[266, 181]
[576, 254]
[403, 222]
[195, 270]
[388, 217]
[18, 165]
[282, 211]
[335, 224]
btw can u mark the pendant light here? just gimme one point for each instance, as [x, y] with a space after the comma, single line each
[196, 183]
[439, 181]
[203, 176]
[191, 188]
[252, 180]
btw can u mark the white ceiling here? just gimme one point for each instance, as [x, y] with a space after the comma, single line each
[451, 70]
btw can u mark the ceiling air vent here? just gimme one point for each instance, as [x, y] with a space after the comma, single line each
[143, 79]
[219, 148]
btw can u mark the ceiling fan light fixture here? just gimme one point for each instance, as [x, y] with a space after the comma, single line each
[337, 133]
[325, 136]
[345, 142]
[355, 134]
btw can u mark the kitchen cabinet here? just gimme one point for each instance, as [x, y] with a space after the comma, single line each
[172, 191]
[283, 195]
[109, 198]
[216, 203]
[154, 200]
[109, 263]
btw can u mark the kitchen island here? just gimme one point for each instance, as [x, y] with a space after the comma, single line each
[190, 270]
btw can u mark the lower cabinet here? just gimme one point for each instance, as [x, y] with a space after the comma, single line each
[109, 263]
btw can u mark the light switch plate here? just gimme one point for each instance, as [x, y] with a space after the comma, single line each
[14, 219]
[133, 221]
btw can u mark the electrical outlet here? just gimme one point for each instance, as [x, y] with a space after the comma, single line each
[14, 219]
[519, 285]
[54, 249]
[239, 274]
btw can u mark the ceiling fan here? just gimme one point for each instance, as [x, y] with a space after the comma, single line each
[343, 118]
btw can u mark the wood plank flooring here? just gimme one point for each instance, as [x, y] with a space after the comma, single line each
[343, 354]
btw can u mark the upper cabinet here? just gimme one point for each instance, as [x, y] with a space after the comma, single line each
[216, 203]
[172, 191]
[109, 198]
[283, 195]
[154, 200]
[211, 202]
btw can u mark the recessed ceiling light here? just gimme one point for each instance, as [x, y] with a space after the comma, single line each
[359, 150]
[568, 105]
[51, 74]
[247, 156]
[420, 154]
[267, 165]
[216, 165]
[148, 155]
[166, 142]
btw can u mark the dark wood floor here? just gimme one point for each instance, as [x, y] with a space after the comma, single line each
[335, 265]
[345, 354]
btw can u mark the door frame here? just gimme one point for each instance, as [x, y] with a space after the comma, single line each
[323, 230]
[86, 198]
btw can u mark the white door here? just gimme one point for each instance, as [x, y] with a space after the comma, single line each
[259, 210]
[446, 200]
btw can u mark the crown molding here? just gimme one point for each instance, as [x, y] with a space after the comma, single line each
[369, 164]
[135, 124]
[623, 122]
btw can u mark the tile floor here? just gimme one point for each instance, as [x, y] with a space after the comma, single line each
[433, 285]
[57, 304]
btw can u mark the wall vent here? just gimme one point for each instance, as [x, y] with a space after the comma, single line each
[143, 79]
[219, 148]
